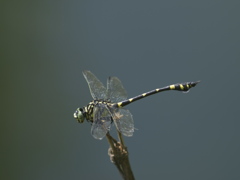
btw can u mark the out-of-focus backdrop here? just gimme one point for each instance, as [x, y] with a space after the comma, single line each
[45, 46]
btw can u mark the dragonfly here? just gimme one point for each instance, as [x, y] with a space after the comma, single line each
[108, 105]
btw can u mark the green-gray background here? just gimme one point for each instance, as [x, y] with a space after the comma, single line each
[46, 44]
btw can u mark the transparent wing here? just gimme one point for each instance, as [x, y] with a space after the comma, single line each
[124, 121]
[98, 91]
[102, 121]
[115, 90]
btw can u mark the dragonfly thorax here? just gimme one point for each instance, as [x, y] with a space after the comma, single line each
[87, 111]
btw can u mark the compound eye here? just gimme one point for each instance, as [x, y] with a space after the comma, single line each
[78, 115]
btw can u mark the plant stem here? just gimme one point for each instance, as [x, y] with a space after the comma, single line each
[119, 156]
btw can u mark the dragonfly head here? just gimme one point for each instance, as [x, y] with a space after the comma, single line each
[78, 115]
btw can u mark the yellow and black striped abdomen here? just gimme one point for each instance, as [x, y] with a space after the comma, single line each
[179, 87]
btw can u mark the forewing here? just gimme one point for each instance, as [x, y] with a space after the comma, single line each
[97, 89]
[115, 90]
[102, 120]
[124, 121]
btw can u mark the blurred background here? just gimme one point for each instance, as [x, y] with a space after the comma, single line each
[45, 46]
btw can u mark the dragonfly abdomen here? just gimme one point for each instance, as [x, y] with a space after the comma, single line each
[179, 87]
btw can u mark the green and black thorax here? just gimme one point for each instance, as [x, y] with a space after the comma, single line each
[87, 111]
